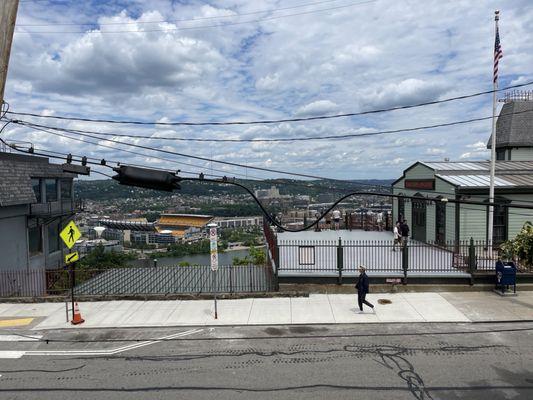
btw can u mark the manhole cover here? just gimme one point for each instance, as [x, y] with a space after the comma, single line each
[384, 301]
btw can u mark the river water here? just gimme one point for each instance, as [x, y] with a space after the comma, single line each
[225, 258]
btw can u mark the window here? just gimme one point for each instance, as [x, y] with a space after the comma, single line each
[51, 189]
[500, 221]
[35, 237]
[500, 154]
[36, 185]
[53, 237]
[66, 189]
[499, 229]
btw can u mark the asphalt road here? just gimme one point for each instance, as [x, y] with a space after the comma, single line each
[393, 361]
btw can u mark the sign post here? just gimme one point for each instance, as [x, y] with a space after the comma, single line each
[70, 234]
[214, 259]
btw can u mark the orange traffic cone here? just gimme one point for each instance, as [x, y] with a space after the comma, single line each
[77, 316]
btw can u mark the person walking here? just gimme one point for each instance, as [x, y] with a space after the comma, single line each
[397, 236]
[379, 220]
[336, 219]
[362, 289]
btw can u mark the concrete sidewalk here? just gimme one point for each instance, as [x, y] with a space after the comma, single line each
[315, 309]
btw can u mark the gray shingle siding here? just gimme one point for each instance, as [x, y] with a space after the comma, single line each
[514, 127]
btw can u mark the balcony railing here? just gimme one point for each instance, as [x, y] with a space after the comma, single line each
[60, 207]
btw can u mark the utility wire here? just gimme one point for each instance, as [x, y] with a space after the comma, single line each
[168, 29]
[235, 15]
[272, 218]
[388, 188]
[272, 121]
[198, 157]
[278, 140]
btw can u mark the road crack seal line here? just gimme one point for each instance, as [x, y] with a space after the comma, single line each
[393, 358]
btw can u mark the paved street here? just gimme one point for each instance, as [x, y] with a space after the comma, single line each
[392, 361]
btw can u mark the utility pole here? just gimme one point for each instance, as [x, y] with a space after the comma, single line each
[8, 17]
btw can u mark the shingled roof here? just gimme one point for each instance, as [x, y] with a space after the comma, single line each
[16, 172]
[514, 127]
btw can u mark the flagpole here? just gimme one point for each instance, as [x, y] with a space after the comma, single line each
[493, 149]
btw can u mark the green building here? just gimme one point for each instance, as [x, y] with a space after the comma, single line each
[443, 222]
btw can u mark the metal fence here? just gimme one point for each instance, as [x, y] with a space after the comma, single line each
[27, 283]
[195, 279]
[319, 257]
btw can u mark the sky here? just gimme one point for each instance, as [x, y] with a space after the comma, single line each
[237, 60]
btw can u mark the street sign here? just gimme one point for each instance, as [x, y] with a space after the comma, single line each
[70, 234]
[70, 258]
[213, 247]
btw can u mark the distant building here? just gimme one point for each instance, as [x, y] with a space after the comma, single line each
[167, 230]
[443, 222]
[36, 201]
[272, 193]
[238, 222]
[182, 225]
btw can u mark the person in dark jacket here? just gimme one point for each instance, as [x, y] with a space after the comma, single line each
[362, 289]
[404, 230]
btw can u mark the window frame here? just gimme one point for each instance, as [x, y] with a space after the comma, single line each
[55, 198]
[39, 228]
[38, 195]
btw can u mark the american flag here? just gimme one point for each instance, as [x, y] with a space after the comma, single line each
[497, 54]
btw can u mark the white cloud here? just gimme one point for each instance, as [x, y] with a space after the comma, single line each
[318, 107]
[306, 65]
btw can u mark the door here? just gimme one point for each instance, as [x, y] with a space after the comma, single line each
[440, 223]
[419, 220]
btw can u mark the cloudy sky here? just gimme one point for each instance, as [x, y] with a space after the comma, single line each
[165, 60]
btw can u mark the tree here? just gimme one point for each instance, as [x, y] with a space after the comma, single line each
[256, 256]
[100, 259]
[521, 247]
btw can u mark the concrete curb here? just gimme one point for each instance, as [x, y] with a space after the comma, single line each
[285, 325]
[169, 297]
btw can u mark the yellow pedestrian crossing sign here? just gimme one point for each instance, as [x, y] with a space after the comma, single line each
[70, 258]
[70, 234]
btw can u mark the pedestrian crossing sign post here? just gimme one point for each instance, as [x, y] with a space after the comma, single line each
[214, 259]
[72, 257]
[70, 234]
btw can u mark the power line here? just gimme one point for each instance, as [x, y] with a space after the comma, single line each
[135, 153]
[272, 219]
[201, 27]
[278, 140]
[272, 121]
[194, 165]
[272, 10]
[277, 171]
[340, 190]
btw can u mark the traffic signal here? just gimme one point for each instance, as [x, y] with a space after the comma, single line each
[147, 178]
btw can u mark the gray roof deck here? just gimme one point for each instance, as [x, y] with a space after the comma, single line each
[315, 254]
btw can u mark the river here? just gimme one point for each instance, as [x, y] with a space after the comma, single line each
[225, 258]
